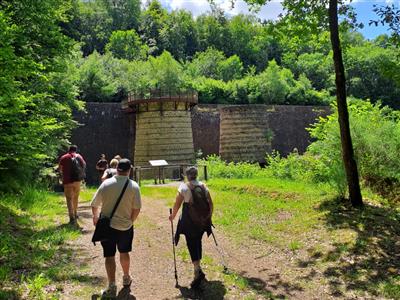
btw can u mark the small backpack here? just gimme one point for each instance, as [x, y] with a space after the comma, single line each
[77, 169]
[199, 207]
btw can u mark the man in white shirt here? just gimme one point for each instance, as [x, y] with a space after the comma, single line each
[121, 222]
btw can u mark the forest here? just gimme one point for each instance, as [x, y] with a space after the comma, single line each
[59, 54]
[288, 228]
[237, 60]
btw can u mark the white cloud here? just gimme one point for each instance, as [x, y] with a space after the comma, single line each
[198, 7]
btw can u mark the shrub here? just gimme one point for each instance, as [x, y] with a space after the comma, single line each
[376, 139]
[218, 168]
[305, 167]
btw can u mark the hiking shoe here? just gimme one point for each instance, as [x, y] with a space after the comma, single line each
[198, 279]
[110, 292]
[126, 280]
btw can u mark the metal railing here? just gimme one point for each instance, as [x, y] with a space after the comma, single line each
[163, 95]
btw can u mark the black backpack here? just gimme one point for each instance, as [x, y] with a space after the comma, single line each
[199, 207]
[77, 169]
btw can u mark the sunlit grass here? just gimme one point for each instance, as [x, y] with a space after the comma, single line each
[33, 233]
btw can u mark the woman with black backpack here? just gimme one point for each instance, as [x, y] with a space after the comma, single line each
[195, 218]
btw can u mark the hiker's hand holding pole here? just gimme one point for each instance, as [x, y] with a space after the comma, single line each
[177, 205]
[172, 214]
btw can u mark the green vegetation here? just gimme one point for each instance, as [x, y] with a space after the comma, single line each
[375, 131]
[37, 88]
[237, 60]
[351, 249]
[33, 254]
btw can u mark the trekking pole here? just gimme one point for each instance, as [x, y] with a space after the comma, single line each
[173, 249]
[220, 253]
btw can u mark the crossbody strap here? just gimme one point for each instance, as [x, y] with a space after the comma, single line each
[119, 198]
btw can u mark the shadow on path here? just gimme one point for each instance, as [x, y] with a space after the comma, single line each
[372, 260]
[212, 290]
[124, 294]
[268, 288]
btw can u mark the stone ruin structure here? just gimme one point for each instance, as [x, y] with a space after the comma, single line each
[174, 127]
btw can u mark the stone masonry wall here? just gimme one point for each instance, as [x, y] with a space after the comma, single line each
[104, 128]
[107, 129]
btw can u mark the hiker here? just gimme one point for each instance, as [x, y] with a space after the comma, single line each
[111, 171]
[72, 168]
[121, 223]
[101, 166]
[195, 219]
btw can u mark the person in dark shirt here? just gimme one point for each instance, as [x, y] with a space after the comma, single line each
[72, 185]
[111, 171]
[101, 166]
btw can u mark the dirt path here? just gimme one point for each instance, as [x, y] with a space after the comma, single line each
[151, 259]
[256, 271]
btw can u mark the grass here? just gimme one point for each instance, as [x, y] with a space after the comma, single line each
[353, 250]
[286, 208]
[33, 233]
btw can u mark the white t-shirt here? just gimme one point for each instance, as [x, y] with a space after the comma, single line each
[107, 194]
[185, 191]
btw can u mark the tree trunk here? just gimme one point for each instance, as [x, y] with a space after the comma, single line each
[347, 146]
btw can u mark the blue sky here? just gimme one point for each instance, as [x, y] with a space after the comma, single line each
[364, 9]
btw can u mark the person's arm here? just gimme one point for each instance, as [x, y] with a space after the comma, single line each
[96, 204]
[135, 213]
[96, 214]
[178, 202]
[211, 203]
[209, 199]
[82, 161]
[137, 202]
[105, 175]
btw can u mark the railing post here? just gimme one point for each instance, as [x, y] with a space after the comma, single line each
[205, 173]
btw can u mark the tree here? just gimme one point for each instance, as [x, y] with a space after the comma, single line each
[370, 71]
[125, 14]
[94, 26]
[316, 15]
[389, 15]
[230, 68]
[212, 32]
[151, 23]
[179, 35]
[95, 82]
[206, 64]
[126, 45]
[316, 66]
[37, 91]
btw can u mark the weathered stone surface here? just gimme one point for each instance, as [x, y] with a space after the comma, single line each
[105, 128]
[233, 129]
[205, 125]
[164, 135]
[244, 133]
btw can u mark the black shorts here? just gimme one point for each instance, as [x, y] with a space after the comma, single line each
[121, 239]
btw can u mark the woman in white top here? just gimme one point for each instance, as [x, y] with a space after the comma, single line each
[188, 224]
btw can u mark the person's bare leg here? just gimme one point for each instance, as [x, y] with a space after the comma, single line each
[77, 189]
[110, 268]
[125, 262]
